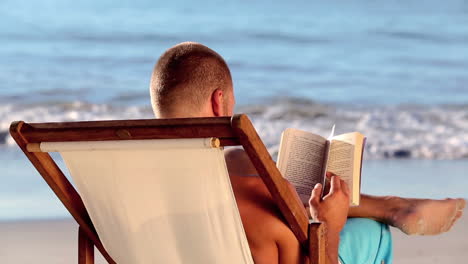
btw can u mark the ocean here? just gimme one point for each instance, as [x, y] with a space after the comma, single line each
[396, 71]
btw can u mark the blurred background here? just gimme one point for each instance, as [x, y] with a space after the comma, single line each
[396, 71]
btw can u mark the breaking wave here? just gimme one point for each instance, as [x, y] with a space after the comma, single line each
[403, 131]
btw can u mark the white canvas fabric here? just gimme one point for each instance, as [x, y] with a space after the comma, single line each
[158, 201]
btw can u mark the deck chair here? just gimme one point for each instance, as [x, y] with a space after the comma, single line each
[157, 190]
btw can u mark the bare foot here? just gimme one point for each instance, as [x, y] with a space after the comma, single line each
[424, 216]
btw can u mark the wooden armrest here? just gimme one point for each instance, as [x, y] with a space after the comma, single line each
[317, 243]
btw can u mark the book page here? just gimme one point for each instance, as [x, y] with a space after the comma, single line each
[340, 160]
[300, 160]
[345, 160]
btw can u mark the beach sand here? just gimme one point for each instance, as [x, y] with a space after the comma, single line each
[55, 241]
[447, 248]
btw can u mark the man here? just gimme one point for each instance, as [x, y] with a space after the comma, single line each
[191, 80]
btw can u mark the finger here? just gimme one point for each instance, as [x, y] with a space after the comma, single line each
[329, 174]
[345, 187]
[335, 184]
[316, 194]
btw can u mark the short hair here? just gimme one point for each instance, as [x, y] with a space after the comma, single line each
[185, 76]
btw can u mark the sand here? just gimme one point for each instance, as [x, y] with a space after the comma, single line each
[51, 242]
[55, 241]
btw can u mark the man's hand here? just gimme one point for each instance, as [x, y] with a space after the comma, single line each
[333, 209]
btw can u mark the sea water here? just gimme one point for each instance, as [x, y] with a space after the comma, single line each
[395, 71]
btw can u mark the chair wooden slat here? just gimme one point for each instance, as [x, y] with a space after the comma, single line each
[85, 248]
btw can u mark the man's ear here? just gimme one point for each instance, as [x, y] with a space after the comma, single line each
[217, 102]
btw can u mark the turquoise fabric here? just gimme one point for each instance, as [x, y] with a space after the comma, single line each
[365, 241]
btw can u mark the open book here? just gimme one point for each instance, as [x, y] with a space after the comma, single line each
[304, 158]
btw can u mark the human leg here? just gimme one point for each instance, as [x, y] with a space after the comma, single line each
[412, 216]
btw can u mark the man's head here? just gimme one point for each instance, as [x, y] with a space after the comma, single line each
[191, 80]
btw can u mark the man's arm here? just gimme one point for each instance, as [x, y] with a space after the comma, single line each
[332, 210]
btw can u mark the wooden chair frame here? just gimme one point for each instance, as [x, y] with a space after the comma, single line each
[231, 131]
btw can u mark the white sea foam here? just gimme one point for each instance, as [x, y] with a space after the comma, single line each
[427, 132]
[75, 111]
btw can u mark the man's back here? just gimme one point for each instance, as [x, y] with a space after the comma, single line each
[270, 239]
